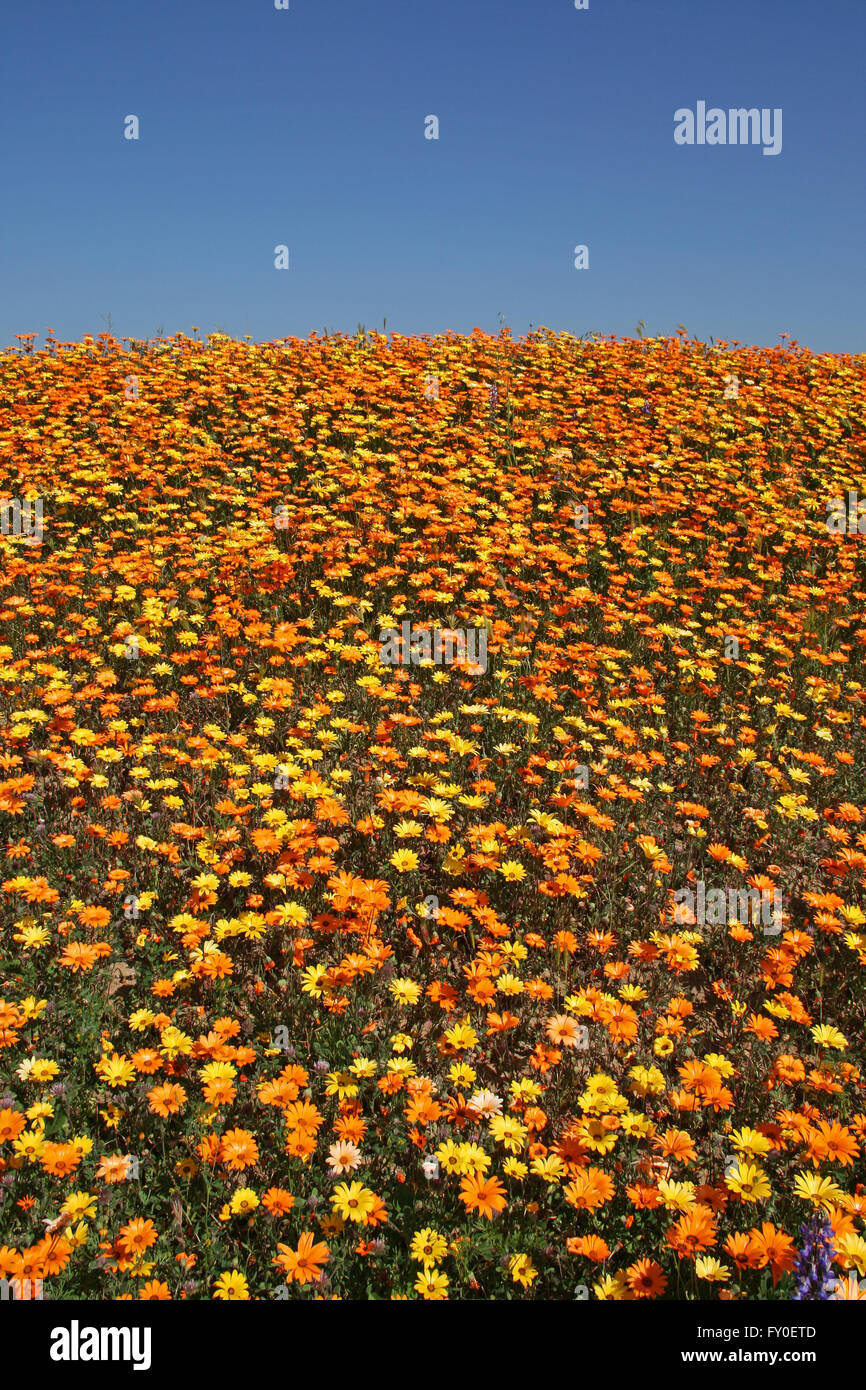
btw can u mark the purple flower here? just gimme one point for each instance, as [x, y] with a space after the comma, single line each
[813, 1272]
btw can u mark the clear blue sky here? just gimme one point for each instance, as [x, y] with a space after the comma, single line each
[305, 127]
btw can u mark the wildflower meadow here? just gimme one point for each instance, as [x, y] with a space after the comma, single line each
[433, 819]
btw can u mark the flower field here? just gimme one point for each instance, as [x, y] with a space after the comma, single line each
[329, 975]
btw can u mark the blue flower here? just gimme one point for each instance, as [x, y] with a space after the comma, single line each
[813, 1273]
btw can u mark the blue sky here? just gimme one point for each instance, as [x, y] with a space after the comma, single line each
[305, 127]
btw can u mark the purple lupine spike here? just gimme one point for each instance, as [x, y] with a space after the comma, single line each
[813, 1270]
